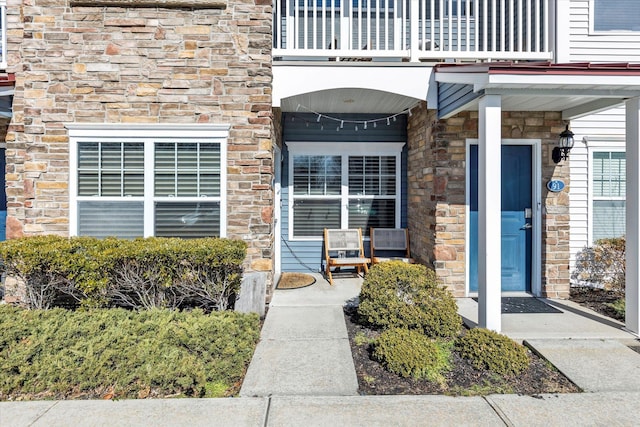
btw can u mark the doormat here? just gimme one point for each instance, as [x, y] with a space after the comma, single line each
[295, 281]
[525, 305]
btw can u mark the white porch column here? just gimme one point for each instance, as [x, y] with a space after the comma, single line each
[632, 318]
[489, 212]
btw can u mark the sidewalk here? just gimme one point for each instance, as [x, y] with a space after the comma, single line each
[302, 375]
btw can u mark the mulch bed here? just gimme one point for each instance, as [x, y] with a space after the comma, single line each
[597, 300]
[463, 379]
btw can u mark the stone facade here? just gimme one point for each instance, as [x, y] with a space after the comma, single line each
[437, 177]
[140, 65]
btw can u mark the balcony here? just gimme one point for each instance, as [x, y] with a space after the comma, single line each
[412, 30]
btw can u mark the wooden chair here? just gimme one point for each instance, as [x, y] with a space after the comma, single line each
[343, 248]
[391, 244]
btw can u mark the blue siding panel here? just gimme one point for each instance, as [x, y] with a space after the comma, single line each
[305, 256]
[452, 96]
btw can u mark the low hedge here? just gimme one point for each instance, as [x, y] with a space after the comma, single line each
[487, 349]
[140, 273]
[122, 353]
[395, 294]
[409, 353]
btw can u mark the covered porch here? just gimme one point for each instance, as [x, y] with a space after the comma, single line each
[572, 89]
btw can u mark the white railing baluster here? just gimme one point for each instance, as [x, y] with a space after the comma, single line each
[528, 25]
[493, 26]
[459, 13]
[545, 25]
[511, 14]
[503, 26]
[537, 32]
[386, 24]
[414, 29]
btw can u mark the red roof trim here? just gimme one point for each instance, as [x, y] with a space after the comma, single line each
[8, 79]
[528, 68]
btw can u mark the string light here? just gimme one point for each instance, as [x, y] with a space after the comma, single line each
[341, 122]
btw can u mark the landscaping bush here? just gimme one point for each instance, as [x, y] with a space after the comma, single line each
[140, 273]
[397, 294]
[409, 353]
[123, 354]
[498, 353]
[603, 264]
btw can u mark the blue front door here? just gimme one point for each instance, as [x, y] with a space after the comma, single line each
[516, 218]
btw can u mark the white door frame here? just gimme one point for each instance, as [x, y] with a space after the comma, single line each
[277, 214]
[536, 221]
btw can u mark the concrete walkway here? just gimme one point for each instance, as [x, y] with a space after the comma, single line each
[304, 348]
[302, 374]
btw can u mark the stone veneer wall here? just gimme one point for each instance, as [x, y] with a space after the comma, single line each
[437, 168]
[139, 65]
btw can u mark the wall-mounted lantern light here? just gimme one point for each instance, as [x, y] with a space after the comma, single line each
[565, 144]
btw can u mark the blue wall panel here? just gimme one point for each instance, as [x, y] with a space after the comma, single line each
[305, 256]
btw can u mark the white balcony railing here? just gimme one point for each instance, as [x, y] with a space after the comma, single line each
[413, 29]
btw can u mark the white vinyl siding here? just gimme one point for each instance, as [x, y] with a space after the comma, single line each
[579, 42]
[150, 180]
[603, 131]
[344, 189]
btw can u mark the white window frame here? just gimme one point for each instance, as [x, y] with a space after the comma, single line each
[149, 134]
[592, 30]
[608, 148]
[344, 149]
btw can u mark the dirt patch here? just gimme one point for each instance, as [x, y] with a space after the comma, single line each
[597, 300]
[462, 379]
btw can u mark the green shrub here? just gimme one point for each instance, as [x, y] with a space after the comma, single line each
[602, 264]
[619, 306]
[498, 353]
[60, 353]
[140, 273]
[397, 294]
[409, 353]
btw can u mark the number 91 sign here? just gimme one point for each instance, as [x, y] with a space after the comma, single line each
[555, 185]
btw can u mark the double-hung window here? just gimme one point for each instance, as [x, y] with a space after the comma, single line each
[149, 180]
[615, 15]
[608, 194]
[349, 185]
